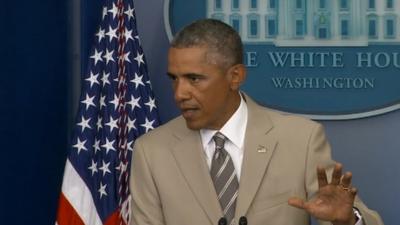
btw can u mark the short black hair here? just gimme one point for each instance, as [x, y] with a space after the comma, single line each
[220, 39]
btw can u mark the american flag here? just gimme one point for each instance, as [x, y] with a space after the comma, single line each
[116, 107]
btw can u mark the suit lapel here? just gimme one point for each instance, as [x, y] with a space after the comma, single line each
[260, 143]
[191, 162]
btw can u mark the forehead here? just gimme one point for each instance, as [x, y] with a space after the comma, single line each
[192, 59]
[187, 55]
[187, 60]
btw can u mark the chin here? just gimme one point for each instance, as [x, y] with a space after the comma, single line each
[193, 125]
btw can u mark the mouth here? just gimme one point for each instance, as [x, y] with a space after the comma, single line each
[189, 113]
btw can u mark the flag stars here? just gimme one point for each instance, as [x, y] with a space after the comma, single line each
[108, 56]
[151, 103]
[99, 123]
[109, 146]
[104, 78]
[102, 101]
[112, 124]
[126, 57]
[97, 133]
[96, 56]
[104, 12]
[129, 12]
[102, 190]
[128, 35]
[80, 145]
[137, 80]
[114, 10]
[101, 34]
[139, 58]
[134, 102]
[84, 123]
[148, 125]
[112, 33]
[105, 97]
[93, 79]
[88, 101]
[130, 146]
[104, 168]
[115, 102]
[96, 146]
[131, 124]
[93, 167]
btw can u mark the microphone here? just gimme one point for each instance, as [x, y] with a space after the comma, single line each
[222, 221]
[243, 220]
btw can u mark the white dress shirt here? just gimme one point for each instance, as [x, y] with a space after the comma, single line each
[234, 130]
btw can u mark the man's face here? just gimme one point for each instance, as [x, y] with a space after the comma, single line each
[206, 94]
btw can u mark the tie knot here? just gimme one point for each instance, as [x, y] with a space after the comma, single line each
[219, 140]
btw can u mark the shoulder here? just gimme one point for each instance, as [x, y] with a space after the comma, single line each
[287, 125]
[164, 135]
[294, 127]
[280, 119]
[277, 119]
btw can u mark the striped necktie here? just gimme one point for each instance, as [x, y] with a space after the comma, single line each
[224, 177]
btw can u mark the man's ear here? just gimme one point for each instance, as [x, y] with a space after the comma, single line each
[237, 73]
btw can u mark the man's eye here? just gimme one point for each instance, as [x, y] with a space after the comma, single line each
[194, 78]
[173, 78]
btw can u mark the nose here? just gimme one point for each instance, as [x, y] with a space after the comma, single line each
[181, 90]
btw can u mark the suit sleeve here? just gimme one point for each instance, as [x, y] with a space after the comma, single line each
[319, 153]
[146, 204]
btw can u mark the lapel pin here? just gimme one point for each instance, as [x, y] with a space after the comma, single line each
[261, 149]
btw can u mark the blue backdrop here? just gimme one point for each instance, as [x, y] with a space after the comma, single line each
[35, 91]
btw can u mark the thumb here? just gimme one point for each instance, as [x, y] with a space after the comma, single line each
[296, 202]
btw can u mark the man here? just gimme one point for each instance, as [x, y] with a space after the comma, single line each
[227, 157]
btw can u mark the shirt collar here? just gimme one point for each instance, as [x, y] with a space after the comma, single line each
[234, 129]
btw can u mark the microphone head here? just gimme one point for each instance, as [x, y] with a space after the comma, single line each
[243, 220]
[222, 221]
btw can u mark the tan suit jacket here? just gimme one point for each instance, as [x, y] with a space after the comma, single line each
[171, 185]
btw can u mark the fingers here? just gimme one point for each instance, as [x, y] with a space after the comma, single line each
[346, 180]
[296, 202]
[339, 180]
[321, 175]
[353, 191]
[337, 174]
[301, 204]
